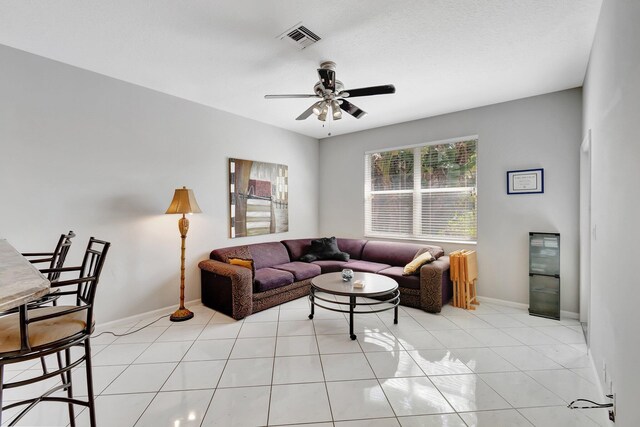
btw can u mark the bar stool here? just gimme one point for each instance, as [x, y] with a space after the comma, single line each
[39, 332]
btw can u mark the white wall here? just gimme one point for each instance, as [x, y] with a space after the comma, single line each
[86, 152]
[611, 111]
[539, 132]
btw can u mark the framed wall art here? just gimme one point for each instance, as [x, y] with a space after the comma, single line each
[259, 198]
[526, 181]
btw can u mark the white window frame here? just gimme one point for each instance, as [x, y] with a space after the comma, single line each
[417, 192]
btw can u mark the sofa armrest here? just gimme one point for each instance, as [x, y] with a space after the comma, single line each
[434, 284]
[227, 288]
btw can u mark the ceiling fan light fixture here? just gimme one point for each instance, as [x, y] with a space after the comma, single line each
[319, 107]
[323, 114]
[337, 113]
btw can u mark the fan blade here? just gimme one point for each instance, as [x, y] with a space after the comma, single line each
[327, 79]
[308, 111]
[368, 91]
[289, 96]
[352, 109]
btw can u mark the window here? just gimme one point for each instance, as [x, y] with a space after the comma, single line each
[425, 192]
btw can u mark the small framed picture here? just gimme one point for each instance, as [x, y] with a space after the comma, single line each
[527, 181]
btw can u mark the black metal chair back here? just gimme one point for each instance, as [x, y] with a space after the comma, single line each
[88, 278]
[56, 258]
[60, 255]
[91, 269]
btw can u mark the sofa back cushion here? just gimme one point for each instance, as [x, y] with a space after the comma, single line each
[297, 247]
[352, 246]
[262, 254]
[268, 254]
[392, 253]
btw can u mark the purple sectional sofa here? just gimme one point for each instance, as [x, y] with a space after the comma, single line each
[279, 276]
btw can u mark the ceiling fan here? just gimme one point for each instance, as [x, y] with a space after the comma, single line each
[333, 95]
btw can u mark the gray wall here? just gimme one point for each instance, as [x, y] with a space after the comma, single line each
[539, 132]
[611, 111]
[82, 151]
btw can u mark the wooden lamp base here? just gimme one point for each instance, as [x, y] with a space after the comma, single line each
[181, 315]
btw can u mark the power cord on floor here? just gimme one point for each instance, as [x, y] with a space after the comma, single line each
[595, 405]
[130, 332]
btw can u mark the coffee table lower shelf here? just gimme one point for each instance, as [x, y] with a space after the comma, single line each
[390, 293]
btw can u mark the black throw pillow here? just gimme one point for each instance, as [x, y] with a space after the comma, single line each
[324, 248]
[308, 258]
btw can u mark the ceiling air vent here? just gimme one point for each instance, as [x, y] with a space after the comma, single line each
[300, 35]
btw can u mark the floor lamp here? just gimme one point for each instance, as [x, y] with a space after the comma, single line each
[184, 202]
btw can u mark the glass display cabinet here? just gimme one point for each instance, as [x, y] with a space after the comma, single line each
[544, 275]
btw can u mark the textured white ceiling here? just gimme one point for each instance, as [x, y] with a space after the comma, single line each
[442, 55]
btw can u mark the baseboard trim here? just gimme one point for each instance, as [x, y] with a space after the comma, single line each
[563, 313]
[169, 309]
[138, 317]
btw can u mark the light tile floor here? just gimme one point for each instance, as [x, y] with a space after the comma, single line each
[496, 366]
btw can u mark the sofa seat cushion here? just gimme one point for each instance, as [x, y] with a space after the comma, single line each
[329, 265]
[411, 282]
[271, 278]
[365, 266]
[300, 270]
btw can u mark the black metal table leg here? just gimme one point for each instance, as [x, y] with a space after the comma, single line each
[24, 338]
[312, 304]
[352, 306]
[395, 315]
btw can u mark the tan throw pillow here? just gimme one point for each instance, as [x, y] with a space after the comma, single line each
[414, 266]
[246, 263]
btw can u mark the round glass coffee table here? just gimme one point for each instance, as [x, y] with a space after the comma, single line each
[376, 286]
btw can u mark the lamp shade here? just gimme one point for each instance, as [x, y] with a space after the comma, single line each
[183, 202]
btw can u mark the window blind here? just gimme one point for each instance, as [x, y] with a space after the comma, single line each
[425, 192]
